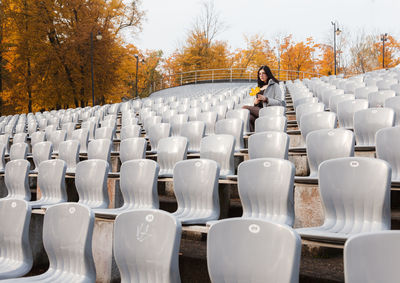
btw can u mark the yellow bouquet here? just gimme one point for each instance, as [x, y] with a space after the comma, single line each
[254, 91]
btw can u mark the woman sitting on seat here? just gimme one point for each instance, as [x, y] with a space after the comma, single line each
[270, 94]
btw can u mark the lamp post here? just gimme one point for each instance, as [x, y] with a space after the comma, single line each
[384, 37]
[137, 70]
[336, 32]
[98, 37]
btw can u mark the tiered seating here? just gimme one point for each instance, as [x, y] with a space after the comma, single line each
[116, 138]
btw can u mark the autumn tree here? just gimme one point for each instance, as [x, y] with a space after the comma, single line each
[201, 49]
[50, 47]
[298, 56]
[325, 64]
[258, 52]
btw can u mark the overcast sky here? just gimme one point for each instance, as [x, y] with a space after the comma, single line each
[167, 21]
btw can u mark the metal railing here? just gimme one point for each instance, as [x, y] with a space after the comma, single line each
[225, 75]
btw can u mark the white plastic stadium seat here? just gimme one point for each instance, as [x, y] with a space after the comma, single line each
[16, 179]
[372, 257]
[346, 110]
[355, 193]
[317, 121]
[271, 123]
[51, 181]
[196, 191]
[91, 183]
[170, 150]
[388, 149]
[328, 144]
[231, 126]
[68, 244]
[219, 148]
[15, 250]
[138, 184]
[253, 250]
[194, 131]
[153, 254]
[368, 121]
[69, 152]
[268, 144]
[268, 200]
[132, 148]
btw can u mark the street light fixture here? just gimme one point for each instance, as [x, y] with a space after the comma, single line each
[384, 37]
[336, 32]
[137, 70]
[98, 37]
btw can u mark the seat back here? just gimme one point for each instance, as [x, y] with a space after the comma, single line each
[209, 118]
[151, 256]
[194, 131]
[100, 149]
[69, 152]
[346, 110]
[268, 144]
[5, 139]
[41, 151]
[56, 138]
[2, 154]
[368, 121]
[150, 121]
[308, 108]
[244, 115]
[67, 239]
[81, 135]
[363, 92]
[372, 257]
[139, 183]
[193, 113]
[130, 131]
[19, 151]
[49, 130]
[355, 192]
[233, 127]
[91, 127]
[51, 180]
[104, 133]
[394, 103]
[176, 122]
[196, 190]
[336, 99]
[272, 111]
[32, 127]
[317, 121]
[14, 237]
[221, 110]
[303, 100]
[20, 137]
[157, 132]
[271, 123]
[377, 98]
[266, 189]
[132, 148]
[68, 128]
[219, 148]
[16, 179]
[91, 183]
[37, 137]
[328, 144]
[243, 250]
[388, 149]
[170, 150]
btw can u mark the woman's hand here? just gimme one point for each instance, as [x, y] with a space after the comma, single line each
[262, 98]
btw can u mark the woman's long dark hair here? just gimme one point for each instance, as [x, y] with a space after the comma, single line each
[270, 76]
